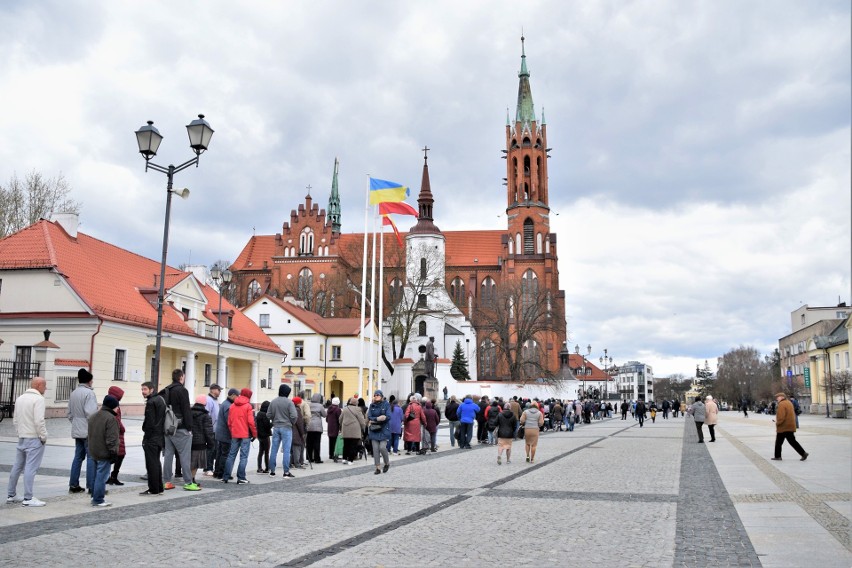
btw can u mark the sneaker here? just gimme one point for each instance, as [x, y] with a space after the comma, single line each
[168, 485]
[775, 459]
[75, 489]
[102, 504]
[191, 487]
[33, 502]
[242, 482]
[208, 474]
[288, 475]
[508, 461]
[528, 458]
[499, 460]
[804, 457]
[272, 474]
[260, 471]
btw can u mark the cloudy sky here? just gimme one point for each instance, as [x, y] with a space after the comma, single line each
[700, 170]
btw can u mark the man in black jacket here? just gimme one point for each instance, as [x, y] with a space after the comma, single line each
[154, 438]
[452, 414]
[180, 442]
[103, 446]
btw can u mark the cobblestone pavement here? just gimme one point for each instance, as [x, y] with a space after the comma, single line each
[607, 493]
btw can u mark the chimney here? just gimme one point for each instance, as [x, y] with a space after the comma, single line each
[68, 221]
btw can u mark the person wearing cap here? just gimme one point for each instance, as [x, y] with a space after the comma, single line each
[243, 432]
[785, 427]
[32, 436]
[81, 406]
[212, 407]
[118, 393]
[223, 433]
[103, 446]
[180, 443]
[711, 409]
[378, 431]
[203, 439]
[282, 414]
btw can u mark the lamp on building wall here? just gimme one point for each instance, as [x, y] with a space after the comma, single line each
[148, 138]
[222, 278]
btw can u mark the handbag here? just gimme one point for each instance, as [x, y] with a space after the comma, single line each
[376, 427]
[521, 433]
[338, 446]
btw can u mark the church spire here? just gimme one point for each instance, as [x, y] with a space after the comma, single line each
[525, 113]
[334, 202]
[425, 202]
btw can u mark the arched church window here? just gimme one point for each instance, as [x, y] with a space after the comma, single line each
[488, 291]
[306, 242]
[527, 142]
[538, 243]
[511, 246]
[487, 359]
[423, 268]
[529, 289]
[526, 166]
[252, 292]
[546, 244]
[529, 228]
[421, 329]
[530, 358]
[457, 291]
[519, 249]
[526, 187]
[395, 290]
[306, 287]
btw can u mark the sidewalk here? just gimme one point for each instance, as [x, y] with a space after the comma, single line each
[609, 493]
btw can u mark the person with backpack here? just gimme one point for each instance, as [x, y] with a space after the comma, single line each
[492, 411]
[179, 441]
[507, 425]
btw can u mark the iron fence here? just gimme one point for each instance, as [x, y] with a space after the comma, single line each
[15, 378]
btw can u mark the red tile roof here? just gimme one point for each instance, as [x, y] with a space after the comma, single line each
[114, 283]
[576, 362]
[463, 248]
[324, 326]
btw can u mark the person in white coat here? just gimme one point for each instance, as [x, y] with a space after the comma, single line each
[32, 436]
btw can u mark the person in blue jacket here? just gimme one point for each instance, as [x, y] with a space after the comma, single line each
[378, 429]
[396, 416]
[467, 416]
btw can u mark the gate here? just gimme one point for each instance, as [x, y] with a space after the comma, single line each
[15, 378]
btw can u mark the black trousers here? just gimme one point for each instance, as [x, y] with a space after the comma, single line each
[314, 444]
[698, 426]
[263, 451]
[116, 466]
[153, 466]
[332, 441]
[791, 439]
[223, 450]
[712, 428]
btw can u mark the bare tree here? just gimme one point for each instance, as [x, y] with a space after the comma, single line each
[517, 321]
[24, 202]
[671, 388]
[840, 382]
[744, 376]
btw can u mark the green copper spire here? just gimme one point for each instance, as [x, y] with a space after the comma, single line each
[334, 202]
[525, 113]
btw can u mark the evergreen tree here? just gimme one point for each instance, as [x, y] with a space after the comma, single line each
[458, 368]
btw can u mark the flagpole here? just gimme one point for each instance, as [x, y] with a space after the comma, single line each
[363, 293]
[372, 311]
[381, 299]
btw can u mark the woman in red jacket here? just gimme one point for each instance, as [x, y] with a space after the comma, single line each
[412, 420]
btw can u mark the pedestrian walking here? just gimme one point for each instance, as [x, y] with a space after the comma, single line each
[378, 430]
[153, 438]
[352, 423]
[243, 432]
[785, 427]
[699, 414]
[178, 444]
[556, 416]
[103, 446]
[81, 406]
[264, 436]
[433, 418]
[711, 410]
[32, 436]
[314, 428]
[639, 412]
[532, 420]
[507, 425]
[203, 439]
[118, 393]
[223, 433]
[666, 406]
[282, 413]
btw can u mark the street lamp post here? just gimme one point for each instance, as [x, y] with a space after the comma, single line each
[605, 364]
[222, 278]
[148, 138]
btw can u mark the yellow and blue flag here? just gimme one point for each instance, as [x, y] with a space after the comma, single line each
[382, 191]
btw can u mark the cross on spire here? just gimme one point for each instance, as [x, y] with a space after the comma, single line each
[425, 150]
[309, 189]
